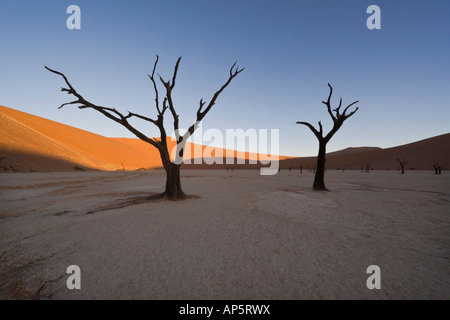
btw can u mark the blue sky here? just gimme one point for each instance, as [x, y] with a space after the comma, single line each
[290, 49]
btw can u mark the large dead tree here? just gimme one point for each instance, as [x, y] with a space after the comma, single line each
[173, 190]
[338, 119]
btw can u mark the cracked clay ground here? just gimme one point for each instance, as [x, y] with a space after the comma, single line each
[245, 237]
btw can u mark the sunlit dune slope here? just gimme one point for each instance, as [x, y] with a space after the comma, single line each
[29, 142]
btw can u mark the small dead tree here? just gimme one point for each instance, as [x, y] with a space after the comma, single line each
[438, 167]
[173, 190]
[338, 119]
[402, 162]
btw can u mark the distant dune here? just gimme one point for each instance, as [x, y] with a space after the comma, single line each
[420, 156]
[32, 143]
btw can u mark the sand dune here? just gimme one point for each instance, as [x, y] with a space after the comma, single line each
[38, 139]
[29, 142]
[420, 156]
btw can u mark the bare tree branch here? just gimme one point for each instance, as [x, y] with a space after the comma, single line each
[131, 114]
[65, 104]
[234, 71]
[350, 114]
[110, 113]
[152, 78]
[311, 127]
[327, 103]
[169, 87]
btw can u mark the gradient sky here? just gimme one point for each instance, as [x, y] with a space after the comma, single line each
[290, 50]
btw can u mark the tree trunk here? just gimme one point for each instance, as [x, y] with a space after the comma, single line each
[319, 179]
[173, 183]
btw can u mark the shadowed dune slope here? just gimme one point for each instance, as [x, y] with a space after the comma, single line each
[421, 155]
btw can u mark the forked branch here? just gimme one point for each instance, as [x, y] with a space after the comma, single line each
[110, 113]
[335, 114]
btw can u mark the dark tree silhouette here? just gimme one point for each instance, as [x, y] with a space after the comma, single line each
[338, 119]
[402, 162]
[173, 190]
[438, 167]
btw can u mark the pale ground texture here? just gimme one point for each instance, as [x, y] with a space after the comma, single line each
[246, 237]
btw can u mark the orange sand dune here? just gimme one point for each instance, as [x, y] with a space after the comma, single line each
[30, 142]
[39, 138]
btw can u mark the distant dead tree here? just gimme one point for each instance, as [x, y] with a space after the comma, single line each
[402, 162]
[438, 167]
[338, 119]
[173, 190]
[301, 168]
[368, 167]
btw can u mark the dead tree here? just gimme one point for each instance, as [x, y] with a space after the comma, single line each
[402, 162]
[438, 168]
[173, 190]
[338, 119]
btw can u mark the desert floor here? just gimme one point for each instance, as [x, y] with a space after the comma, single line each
[246, 237]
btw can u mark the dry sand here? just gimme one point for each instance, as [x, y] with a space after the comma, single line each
[246, 237]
